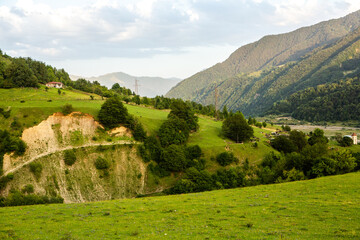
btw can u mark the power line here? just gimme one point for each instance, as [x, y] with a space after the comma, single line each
[137, 87]
[216, 103]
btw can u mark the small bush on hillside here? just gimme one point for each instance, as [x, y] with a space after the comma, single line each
[101, 163]
[69, 157]
[67, 109]
[226, 158]
[36, 168]
[29, 188]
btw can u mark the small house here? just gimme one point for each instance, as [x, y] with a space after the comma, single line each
[55, 84]
[353, 137]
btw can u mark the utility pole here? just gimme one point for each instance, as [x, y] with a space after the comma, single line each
[216, 103]
[136, 87]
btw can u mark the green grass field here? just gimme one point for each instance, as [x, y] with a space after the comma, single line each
[324, 208]
[37, 108]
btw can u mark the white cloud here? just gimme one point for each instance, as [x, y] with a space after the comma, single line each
[53, 30]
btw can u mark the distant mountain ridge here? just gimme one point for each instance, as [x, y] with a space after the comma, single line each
[274, 67]
[148, 86]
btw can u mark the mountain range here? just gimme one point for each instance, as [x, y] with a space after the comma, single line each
[147, 86]
[259, 74]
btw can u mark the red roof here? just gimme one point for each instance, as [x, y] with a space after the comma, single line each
[55, 83]
[354, 134]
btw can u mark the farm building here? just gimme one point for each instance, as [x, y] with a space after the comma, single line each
[353, 137]
[55, 84]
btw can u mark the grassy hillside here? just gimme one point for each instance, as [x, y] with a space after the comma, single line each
[37, 108]
[325, 208]
[307, 57]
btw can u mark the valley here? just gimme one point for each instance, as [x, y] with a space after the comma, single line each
[263, 145]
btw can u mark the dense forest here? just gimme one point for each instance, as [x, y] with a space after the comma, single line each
[262, 73]
[328, 102]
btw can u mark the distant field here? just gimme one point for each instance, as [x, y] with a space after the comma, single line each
[324, 208]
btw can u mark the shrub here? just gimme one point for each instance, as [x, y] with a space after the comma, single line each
[69, 157]
[36, 169]
[101, 163]
[29, 188]
[173, 158]
[67, 109]
[193, 152]
[226, 158]
[138, 132]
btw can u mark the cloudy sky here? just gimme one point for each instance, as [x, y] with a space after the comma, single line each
[168, 38]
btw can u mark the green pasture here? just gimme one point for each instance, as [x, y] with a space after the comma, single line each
[324, 208]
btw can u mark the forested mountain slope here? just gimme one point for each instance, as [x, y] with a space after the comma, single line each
[326, 102]
[262, 63]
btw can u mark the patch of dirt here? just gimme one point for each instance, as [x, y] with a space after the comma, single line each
[120, 132]
[53, 134]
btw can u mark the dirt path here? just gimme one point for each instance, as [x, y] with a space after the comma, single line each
[123, 142]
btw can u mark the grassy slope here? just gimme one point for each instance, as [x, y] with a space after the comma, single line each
[37, 108]
[324, 208]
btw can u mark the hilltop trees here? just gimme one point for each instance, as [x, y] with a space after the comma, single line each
[19, 74]
[236, 128]
[113, 113]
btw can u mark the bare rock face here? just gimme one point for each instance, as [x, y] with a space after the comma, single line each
[80, 182]
[54, 134]
[57, 131]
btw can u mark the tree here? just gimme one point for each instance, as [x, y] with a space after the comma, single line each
[173, 131]
[181, 110]
[317, 137]
[112, 113]
[236, 128]
[116, 86]
[138, 131]
[136, 99]
[173, 158]
[226, 158]
[345, 142]
[344, 161]
[20, 75]
[283, 144]
[299, 139]
[225, 112]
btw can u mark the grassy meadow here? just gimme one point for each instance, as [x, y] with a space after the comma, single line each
[31, 106]
[323, 208]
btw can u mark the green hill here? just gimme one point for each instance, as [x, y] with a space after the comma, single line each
[261, 73]
[326, 102]
[49, 135]
[325, 208]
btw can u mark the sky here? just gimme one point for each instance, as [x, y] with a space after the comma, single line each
[165, 38]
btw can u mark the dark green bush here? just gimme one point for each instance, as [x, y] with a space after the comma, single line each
[36, 168]
[69, 157]
[17, 198]
[101, 163]
[29, 188]
[67, 109]
[173, 158]
[226, 158]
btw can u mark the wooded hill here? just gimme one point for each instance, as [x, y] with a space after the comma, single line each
[259, 74]
[327, 102]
